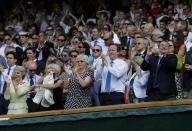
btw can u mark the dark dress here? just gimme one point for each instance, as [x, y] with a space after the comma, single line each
[78, 97]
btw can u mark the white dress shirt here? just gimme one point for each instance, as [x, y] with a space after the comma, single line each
[140, 84]
[119, 76]
[97, 64]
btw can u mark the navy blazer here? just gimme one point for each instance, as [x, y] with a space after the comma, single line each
[165, 80]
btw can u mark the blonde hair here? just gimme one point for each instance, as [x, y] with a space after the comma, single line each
[20, 69]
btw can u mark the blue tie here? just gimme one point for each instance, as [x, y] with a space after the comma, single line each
[108, 80]
[155, 83]
[95, 42]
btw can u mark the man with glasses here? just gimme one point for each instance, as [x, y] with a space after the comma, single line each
[61, 45]
[32, 77]
[97, 66]
[8, 41]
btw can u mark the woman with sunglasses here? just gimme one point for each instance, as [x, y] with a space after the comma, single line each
[16, 91]
[80, 82]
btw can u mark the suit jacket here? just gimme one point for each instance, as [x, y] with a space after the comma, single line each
[17, 98]
[165, 77]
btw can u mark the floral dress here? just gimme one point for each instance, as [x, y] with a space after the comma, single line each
[78, 97]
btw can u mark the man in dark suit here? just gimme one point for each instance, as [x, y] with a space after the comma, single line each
[162, 67]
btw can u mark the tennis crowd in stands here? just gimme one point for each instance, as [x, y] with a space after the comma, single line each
[54, 56]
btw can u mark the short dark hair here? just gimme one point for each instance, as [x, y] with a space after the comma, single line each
[73, 51]
[118, 47]
[12, 53]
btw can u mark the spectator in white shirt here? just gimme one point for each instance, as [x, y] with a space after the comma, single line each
[114, 77]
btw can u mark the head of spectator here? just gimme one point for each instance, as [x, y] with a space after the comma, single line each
[141, 45]
[82, 62]
[181, 25]
[61, 40]
[35, 40]
[156, 34]
[31, 54]
[54, 68]
[185, 33]
[82, 49]
[148, 29]
[49, 31]
[75, 41]
[65, 56]
[131, 30]
[11, 58]
[164, 47]
[163, 24]
[73, 31]
[123, 52]
[95, 33]
[31, 67]
[18, 73]
[42, 37]
[108, 38]
[106, 28]
[151, 19]
[97, 51]
[113, 52]
[8, 39]
[33, 29]
[73, 55]
[23, 37]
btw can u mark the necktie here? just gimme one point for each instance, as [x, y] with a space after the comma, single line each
[31, 80]
[95, 42]
[9, 69]
[128, 41]
[108, 80]
[155, 83]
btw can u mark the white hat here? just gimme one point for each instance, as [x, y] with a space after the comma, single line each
[23, 33]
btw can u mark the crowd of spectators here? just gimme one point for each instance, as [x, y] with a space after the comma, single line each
[56, 55]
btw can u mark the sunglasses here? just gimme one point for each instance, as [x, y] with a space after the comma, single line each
[49, 29]
[34, 38]
[32, 70]
[61, 40]
[73, 56]
[106, 39]
[138, 43]
[96, 50]
[64, 55]
[76, 42]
